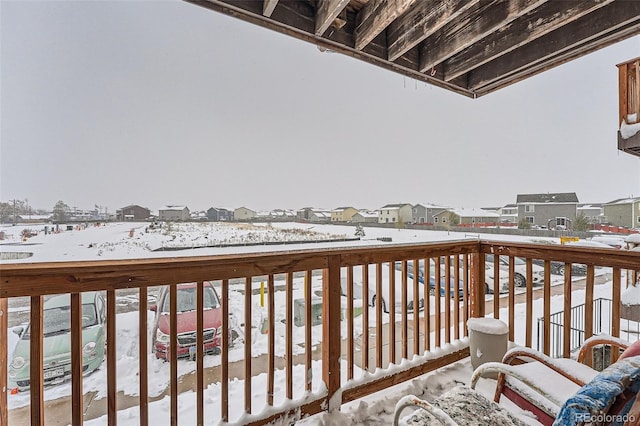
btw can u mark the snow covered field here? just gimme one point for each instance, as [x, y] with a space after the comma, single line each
[127, 240]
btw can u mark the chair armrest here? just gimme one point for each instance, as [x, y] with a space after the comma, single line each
[504, 370]
[412, 401]
[516, 353]
[592, 341]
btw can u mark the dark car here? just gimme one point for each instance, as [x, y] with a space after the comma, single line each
[432, 279]
[557, 268]
[186, 321]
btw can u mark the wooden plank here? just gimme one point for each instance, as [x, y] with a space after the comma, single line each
[307, 409]
[143, 351]
[271, 327]
[36, 377]
[350, 344]
[473, 25]
[365, 317]
[330, 324]
[416, 306]
[436, 295]
[327, 11]
[405, 300]
[375, 16]
[4, 324]
[456, 297]
[477, 297]
[512, 297]
[289, 335]
[200, 353]
[529, 304]
[268, 7]
[615, 309]
[566, 321]
[598, 29]
[378, 315]
[535, 24]
[112, 361]
[546, 307]
[392, 313]
[427, 305]
[588, 309]
[447, 299]
[224, 356]
[76, 359]
[496, 287]
[308, 306]
[173, 353]
[637, 91]
[351, 394]
[248, 303]
[422, 20]
[465, 295]
[623, 92]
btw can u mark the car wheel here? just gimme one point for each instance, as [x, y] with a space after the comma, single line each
[560, 269]
[519, 280]
[487, 290]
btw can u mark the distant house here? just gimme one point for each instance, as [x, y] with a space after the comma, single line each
[132, 213]
[282, 214]
[215, 214]
[509, 213]
[623, 212]
[551, 209]
[394, 213]
[364, 216]
[593, 212]
[343, 214]
[318, 215]
[466, 216]
[423, 213]
[243, 213]
[173, 213]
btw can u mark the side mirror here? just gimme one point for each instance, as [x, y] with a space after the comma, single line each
[18, 330]
[153, 308]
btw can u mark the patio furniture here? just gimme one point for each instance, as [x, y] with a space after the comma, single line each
[543, 385]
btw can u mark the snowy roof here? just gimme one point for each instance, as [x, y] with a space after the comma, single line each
[550, 197]
[623, 201]
[172, 207]
[473, 212]
[367, 214]
[431, 206]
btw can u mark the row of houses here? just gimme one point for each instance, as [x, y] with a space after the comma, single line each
[549, 210]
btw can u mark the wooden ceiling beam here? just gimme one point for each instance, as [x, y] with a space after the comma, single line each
[472, 26]
[617, 21]
[377, 15]
[543, 20]
[327, 11]
[422, 20]
[268, 6]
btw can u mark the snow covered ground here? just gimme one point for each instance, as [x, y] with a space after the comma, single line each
[137, 240]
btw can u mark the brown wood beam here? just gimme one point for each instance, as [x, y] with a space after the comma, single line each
[541, 21]
[327, 11]
[611, 24]
[268, 7]
[424, 19]
[473, 25]
[375, 16]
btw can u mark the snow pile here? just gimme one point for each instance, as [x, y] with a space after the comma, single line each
[629, 130]
[630, 296]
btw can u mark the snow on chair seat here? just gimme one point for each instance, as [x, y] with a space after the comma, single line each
[459, 406]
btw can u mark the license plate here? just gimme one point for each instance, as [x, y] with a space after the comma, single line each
[192, 351]
[56, 372]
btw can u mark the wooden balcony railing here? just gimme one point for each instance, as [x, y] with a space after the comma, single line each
[424, 338]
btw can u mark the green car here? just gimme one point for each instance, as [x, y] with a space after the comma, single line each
[57, 341]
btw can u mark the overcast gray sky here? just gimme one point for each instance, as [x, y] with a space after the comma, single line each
[164, 102]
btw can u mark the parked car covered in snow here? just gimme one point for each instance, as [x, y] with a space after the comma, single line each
[186, 321]
[57, 341]
[520, 267]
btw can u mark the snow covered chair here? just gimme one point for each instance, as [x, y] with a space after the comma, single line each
[543, 385]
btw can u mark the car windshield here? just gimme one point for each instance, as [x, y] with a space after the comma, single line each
[187, 299]
[58, 320]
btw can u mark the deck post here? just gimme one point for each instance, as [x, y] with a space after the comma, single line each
[476, 292]
[331, 331]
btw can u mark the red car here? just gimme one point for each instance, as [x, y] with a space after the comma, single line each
[186, 312]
